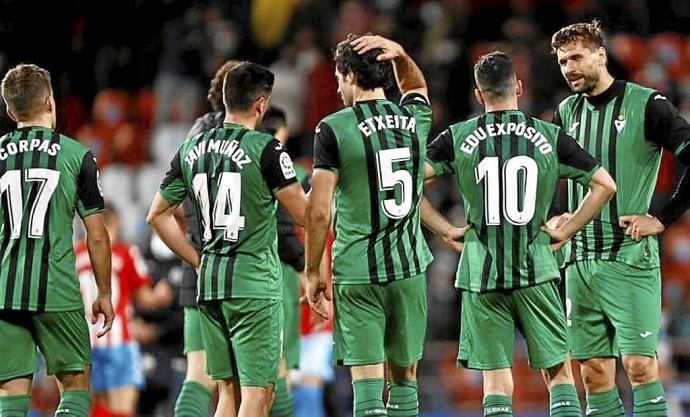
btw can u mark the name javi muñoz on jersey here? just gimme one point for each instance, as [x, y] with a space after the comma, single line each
[625, 128]
[377, 148]
[45, 177]
[507, 166]
[230, 174]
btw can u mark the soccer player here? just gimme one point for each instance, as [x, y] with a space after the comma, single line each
[507, 166]
[613, 284]
[195, 396]
[46, 177]
[371, 155]
[117, 375]
[234, 175]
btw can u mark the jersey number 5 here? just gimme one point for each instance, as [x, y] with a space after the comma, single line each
[11, 182]
[229, 193]
[488, 171]
[388, 179]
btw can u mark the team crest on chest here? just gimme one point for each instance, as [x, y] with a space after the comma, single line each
[619, 123]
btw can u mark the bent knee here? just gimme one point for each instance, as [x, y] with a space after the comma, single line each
[640, 369]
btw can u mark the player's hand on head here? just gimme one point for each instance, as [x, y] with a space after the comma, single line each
[103, 306]
[390, 49]
[640, 226]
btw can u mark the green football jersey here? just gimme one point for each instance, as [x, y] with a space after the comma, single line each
[231, 174]
[45, 177]
[378, 149]
[625, 128]
[507, 166]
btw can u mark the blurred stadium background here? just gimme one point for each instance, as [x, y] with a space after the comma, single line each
[130, 76]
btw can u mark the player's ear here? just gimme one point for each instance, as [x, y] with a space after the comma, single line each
[603, 58]
[518, 88]
[50, 104]
[9, 113]
[478, 95]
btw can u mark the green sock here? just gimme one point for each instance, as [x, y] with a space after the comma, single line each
[368, 397]
[282, 405]
[74, 403]
[403, 400]
[193, 401]
[498, 405]
[649, 400]
[14, 406]
[606, 404]
[564, 401]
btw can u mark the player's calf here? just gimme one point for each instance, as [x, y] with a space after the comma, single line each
[403, 396]
[14, 397]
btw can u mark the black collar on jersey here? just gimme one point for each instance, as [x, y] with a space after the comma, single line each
[607, 95]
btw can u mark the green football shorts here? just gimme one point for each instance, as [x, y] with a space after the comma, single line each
[613, 308]
[378, 322]
[291, 314]
[192, 330]
[488, 322]
[62, 337]
[242, 338]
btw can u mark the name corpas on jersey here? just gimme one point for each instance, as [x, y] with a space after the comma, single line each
[230, 149]
[375, 123]
[469, 144]
[20, 146]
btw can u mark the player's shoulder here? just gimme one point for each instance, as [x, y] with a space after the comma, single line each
[72, 146]
[346, 115]
[642, 92]
[464, 127]
[569, 102]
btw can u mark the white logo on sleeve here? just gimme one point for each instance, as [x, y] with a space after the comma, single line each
[646, 334]
[286, 166]
[656, 400]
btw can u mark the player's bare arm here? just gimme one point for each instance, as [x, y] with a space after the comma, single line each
[429, 174]
[409, 77]
[294, 200]
[98, 244]
[318, 218]
[433, 220]
[601, 189]
[161, 217]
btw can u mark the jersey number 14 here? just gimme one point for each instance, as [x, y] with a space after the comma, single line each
[226, 208]
[509, 183]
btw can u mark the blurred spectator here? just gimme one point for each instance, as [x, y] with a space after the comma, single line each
[116, 370]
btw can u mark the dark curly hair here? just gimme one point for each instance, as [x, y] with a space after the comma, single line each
[215, 90]
[591, 34]
[369, 73]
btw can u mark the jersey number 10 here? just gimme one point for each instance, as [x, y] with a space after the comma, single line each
[229, 194]
[11, 182]
[488, 171]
